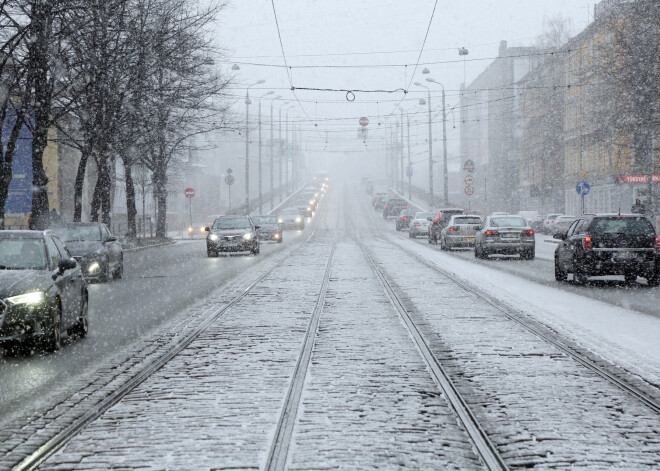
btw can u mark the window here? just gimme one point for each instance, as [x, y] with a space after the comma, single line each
[54, 254]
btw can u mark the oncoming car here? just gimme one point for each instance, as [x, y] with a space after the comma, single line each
[269, 228]
[42, 291]
[290, 218]
[232, 234]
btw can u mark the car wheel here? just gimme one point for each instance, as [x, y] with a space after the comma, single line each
[528, 254]
[11, 348]
[81, 327]
[106, 275]
[653, 280]
[443, 244]
[560, 275]
[53, 340]
[119, 272]
[580, 277]
[279, 241]
[630, 278]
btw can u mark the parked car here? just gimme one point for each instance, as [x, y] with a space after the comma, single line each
[403, 221]
[562, 223]
[291, 218]
[419, 226]
[98, 252]
[505, 235]
[440, 221]
[393, 207]
[42, 289]
[608, 244]
[232, 234]
[269, 228]
[460, 231]
[548, 221]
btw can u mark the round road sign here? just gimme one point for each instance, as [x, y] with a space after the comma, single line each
[229, 179]
[469, 180]
[469, 190]
[364, 121]
[189, 192]
[229, 170]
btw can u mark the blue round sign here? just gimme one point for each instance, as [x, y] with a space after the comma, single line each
[583, 188]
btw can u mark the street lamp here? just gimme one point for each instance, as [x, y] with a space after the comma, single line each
[247, 145]
[430, 145]
[279, 127]
[445, 176]
[265, 94]
[272, 160]
[286, 157]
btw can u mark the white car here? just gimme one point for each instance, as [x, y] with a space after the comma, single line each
[419, 226]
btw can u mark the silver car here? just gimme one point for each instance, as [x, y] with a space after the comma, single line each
[505, 235]
[461, 231]
[419, 226]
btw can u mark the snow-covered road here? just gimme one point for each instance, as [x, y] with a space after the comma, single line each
[369, 401]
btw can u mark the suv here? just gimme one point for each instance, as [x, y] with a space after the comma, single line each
[609, 244]
[232, 234]
[440, 221]
[393, 207]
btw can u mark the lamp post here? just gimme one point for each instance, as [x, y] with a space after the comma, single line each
[272, 160]
[279, 127]
[247, 145]
[286, 157]
[430, 145]
[445, 172]
[260, 179]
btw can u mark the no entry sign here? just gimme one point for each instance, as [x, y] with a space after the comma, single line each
[189, 192]
[364, 121]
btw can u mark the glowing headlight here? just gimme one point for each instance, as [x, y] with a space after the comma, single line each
[308, 208]
[93, 267]
[277, 236]
[213, 237]
[298, 219]
[280, 220]
[36, 297]
[247, 236]
[190, 229]
[202, 229]
[311, 201]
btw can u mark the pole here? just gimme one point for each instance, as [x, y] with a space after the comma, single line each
[286, 157]
[247, 152]
[229, 199]
[281, 156]
[409, 163]
[190, 206]
[431, 202]
[259, 155]
[272, 161]
[445, 172]
[401, 165]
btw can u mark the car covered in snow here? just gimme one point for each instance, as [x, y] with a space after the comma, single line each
[290, 218]
[232, 234]
[460, 231]
[419, 226]
[269, 228]
[609, 244]
[506, 235]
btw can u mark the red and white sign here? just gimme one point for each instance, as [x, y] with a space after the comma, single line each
[189, 192]
[469, 190]
[468, 166]
[469, 180]
[364, 121]
[638, 178]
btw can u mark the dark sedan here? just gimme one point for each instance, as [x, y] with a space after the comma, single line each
[269, 228]
[42, 291]
[403, 221]
[609, 245]
[393, 207]
[98, 252]
[232, 234]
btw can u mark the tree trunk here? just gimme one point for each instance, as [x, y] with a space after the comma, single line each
[160, 192]
[7, 164]
[131, 209]
[79, 185]
[96, 200]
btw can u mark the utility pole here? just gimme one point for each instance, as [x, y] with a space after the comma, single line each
[247, 151]
[272, 143]
[401, 165]
[281, 151]
[445, 171]
[409, 163]
[260, 156]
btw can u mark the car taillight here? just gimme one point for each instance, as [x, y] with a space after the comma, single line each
[454, 228]
[405, 207]
[387, 205]
[657, 243]
[416, 224]
[404, 218]
[528, 233]
[586, 243]
[492, 233]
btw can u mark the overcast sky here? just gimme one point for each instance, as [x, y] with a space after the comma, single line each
[379, 37]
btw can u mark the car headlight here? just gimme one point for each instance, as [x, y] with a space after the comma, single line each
[309, 209]
[93, 267]
[247, 236]
[213, 237]
[277, 236]
[298, 219]
[36, 297]
[280, 221]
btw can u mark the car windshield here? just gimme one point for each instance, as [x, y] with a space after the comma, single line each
[627, 225]
[22, 254]
[289, 212]
[510, 221]
[424, 215]
[264, 219]
[231, 223]
[468, 220]
[78, 233]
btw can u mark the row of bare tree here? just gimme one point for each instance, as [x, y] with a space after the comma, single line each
[128, 80]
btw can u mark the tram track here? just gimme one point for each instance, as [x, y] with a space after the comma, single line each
[39, 456]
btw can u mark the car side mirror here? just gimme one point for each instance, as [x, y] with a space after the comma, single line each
[112, 239]
[67, 264]
[559, 235]
[429, 219]
[257, 227]
[478, 228]
[207, 229]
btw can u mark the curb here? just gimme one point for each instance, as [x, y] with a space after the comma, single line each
[135, 249]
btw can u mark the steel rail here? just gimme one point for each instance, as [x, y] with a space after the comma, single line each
[279, 449]
[38, 457]
[482, 444]
[517, 316]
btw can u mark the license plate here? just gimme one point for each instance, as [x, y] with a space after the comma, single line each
[509, 235]
[468, 239]
[624, 255]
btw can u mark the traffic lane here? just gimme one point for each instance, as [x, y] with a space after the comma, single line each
[158, 283]
[612, 290]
